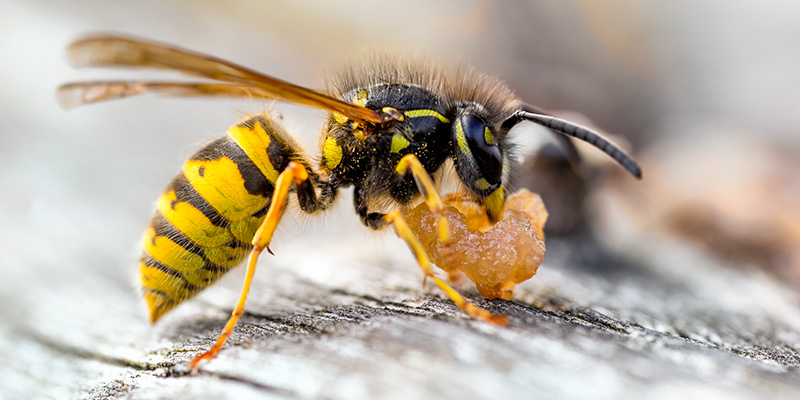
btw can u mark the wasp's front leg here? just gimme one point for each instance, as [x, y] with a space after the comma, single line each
[404, 231]
[411, 164]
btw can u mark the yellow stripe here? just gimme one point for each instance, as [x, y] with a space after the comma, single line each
[482, 184]
[494, 203]
[170, 253]
[172, 286]
[462, 140]
[245, 229]
[188, 264]
[399, 142]
[254, 142]
[332, 152]
[225, 256]
[222, 186]
[191, 222]
[426, 113]
[202, 277]
[488, 136]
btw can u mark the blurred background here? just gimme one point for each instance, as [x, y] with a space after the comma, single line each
[704, 94]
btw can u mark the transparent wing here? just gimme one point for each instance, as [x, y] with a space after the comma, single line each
[117, 51]
[76, 94]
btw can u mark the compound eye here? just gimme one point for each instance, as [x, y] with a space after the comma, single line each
[483, 147]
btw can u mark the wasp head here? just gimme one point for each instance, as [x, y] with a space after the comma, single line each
[480, 157]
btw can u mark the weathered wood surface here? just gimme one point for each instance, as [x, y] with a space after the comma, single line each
[341, 314]
[338, 322]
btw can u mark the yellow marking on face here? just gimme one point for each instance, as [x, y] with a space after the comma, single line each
[191, 222]
[488, 136]
[221, 185]
[399, 142]
[245, 229]
[332, 153]
[482, 184]
[494, 203]
[254, 142]
[462, 139]
[225, 256]
[360, 98]
[426, 113]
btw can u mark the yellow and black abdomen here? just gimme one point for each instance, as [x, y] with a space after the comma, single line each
[208, 215]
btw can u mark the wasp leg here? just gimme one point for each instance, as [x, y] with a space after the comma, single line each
[427, 189]
[402, 229]
[410, 163]
[294, 172]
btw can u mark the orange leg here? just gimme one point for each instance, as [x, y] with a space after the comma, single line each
[437, 206]
[427, 189]
[294, 172]
[402, 229]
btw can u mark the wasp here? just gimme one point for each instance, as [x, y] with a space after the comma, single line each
[392, 125]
